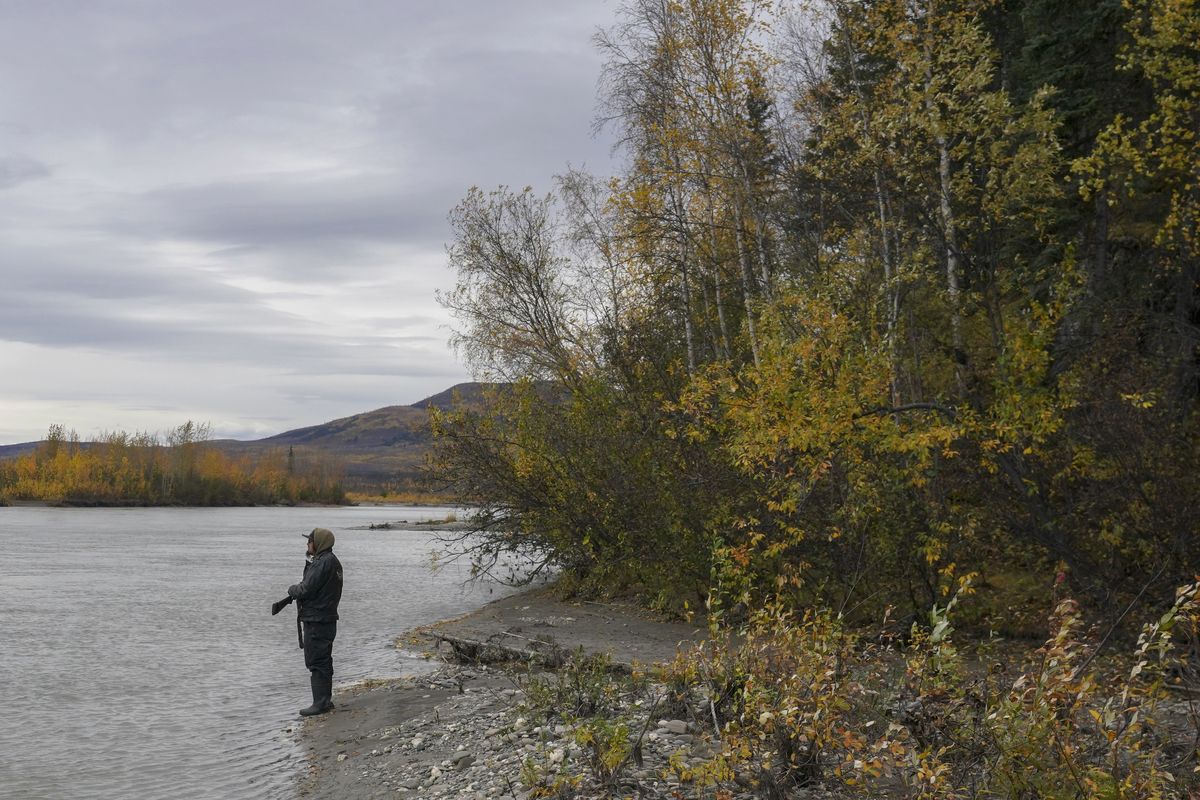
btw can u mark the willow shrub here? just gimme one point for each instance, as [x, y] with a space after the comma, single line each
[799, 700]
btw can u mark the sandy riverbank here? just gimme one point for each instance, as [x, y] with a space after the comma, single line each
[459, 732]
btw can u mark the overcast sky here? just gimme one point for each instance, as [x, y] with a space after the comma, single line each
[234, 211]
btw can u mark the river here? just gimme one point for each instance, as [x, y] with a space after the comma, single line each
[138, 657]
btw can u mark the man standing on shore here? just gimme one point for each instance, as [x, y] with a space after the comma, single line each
[317, 596]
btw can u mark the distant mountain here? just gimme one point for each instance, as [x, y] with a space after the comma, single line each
[390, 426]
[466, 394]
[384, 446]
[383, 427]
[14, 450]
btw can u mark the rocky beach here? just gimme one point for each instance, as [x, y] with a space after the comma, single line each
[466, 731]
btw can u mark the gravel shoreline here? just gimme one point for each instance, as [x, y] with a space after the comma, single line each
[518, 730]
[471, 739]
[462, 731]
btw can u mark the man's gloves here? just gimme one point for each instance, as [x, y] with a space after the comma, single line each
[279, 605]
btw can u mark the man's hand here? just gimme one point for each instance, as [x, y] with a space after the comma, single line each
[278, 605]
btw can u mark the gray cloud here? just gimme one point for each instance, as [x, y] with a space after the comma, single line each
[217, 334]
[17, 169]
[259, 190]
[281, 211]
[101, 273]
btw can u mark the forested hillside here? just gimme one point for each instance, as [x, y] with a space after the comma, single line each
[886, 294]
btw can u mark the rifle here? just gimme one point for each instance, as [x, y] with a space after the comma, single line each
[278, 606]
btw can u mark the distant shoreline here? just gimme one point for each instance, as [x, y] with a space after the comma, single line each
[402, 525]
[133, 504]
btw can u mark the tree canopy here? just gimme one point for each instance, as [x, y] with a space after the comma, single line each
[885, 293]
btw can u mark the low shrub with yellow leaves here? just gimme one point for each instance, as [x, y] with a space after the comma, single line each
[799, 701]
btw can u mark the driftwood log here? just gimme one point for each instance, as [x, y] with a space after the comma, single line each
[501, 647]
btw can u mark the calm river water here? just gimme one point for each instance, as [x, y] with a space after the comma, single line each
[138, 657]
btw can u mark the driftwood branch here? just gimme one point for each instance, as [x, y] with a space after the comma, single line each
[496, 649]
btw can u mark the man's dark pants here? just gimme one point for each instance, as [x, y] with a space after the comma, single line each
[318, 648]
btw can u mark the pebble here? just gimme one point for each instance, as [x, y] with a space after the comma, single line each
[673, 725]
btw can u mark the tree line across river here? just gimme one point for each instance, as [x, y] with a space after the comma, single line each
[182, 468]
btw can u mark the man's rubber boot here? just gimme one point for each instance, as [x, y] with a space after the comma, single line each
[320, 692]
[327, 694]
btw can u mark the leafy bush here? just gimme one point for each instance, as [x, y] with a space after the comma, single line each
[804, 702]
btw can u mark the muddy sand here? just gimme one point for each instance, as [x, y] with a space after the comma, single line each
[458, 732]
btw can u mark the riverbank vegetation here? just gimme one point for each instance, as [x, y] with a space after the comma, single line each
[182, 468]
[889, 299]
[886, 294]
[804, 706]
